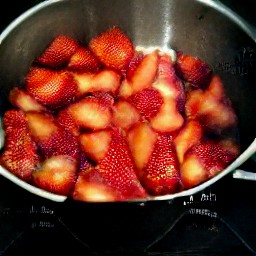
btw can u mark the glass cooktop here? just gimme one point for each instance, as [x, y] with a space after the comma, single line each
[220, 220]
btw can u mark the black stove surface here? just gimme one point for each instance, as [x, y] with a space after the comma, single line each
[220, 220]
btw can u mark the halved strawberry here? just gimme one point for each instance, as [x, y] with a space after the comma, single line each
[21, 99]
[125, 115]
[89, 191]
[193, 70]
[58, 52]
[51, 138]
[57, 174]
[211, 107]
[206, 159]
[54, 89]
[190, 134]
[113, 48]
[116, 171]
[95, 144]
[141, 140]
[105, 80]
[143, 76]
[20, 152]
[134, 63]
[168, 118]
[147, 101]
[91, 113]
[161, 175]
[83, 60]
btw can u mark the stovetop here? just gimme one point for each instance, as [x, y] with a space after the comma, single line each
[220, 220]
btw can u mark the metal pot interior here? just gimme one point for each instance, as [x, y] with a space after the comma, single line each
[193, 27]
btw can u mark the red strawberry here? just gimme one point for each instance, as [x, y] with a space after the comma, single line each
[105, 81]
[147, 101]
[134, 63]
[57, 174]
[206, 159]
[52, 138]
[54, 89]
[95, 144]
[24, 101]
[141, 139]
[193, 70]
[20, 153]
[161, 174]
[116, 172]
[125, 115]
[58, 52]
[113, 48]
[190, 134]
[143, 76]
[91, 113]
[83, 60]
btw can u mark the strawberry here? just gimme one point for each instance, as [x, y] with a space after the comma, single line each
[21, 99]
[105, 80]
[134, 63]
[57, 174]
[143, 76]
[54, 89]
[91, 113]
[161, 174]
[147, 101]
[51, 138]
[206, 159]
[95, 144]
[113, 48]
[58, 52]
[211, 107]
[190, 134]
[193, 70]
[83, 60]
[141, 140]
[20, 153]
[125, 115]
[116, 171]
[89, 191]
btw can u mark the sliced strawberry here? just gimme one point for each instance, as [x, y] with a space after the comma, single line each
[54, 89]
[147, 101]
[206, 159]
[57, 174]
[95, 144]
[91, 113]
[105, 81]
[89, 191]
[193, 70]
[21, 99]
[113, 48]
[20, 153]
[168, 118]
[190, 134]
[134, 63]
[125, 115]
[51, 138]
[116, 170]
[83, 60]
[211, 107]
[167, 74]
[161, 174]
[58, 52]
[145, 73]
[141, 139]
[65, 119]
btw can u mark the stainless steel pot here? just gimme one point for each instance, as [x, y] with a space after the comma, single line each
[205, 29]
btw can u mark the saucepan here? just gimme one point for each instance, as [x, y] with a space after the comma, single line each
[206, 29]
